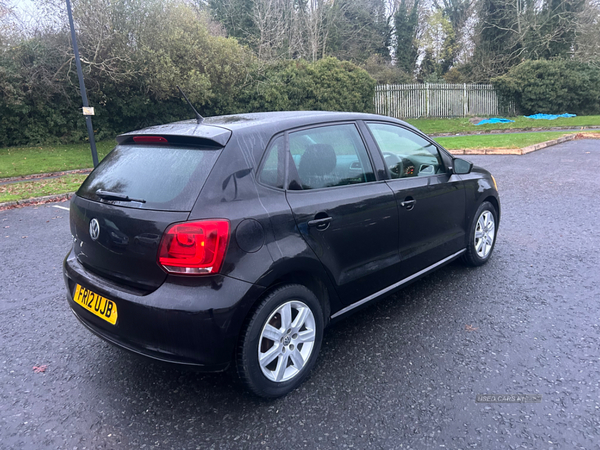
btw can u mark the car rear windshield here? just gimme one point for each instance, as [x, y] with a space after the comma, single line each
[164, 178]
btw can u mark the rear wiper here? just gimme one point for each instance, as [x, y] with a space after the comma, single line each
[106, 195]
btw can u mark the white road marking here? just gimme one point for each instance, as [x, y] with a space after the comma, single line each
[61, 207]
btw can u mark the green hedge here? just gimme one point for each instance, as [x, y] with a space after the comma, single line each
[326, 85]
[552, 87]
[40, 102]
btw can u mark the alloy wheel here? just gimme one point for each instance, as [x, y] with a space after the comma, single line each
[286, 341]
[485, 232]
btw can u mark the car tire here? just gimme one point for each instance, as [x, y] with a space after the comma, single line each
[281, 341]
[482, 235]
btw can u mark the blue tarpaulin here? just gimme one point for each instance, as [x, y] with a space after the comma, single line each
[494, 120]
[548, 116]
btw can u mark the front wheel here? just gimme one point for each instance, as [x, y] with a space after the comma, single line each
[281, 341]
[482, 235]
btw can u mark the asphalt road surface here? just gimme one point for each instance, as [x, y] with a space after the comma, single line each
[402, 374]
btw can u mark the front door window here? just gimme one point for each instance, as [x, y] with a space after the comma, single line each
[406, 154]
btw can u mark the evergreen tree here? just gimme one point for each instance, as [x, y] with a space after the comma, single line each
[237, 17]
[361, 29]
[427, 67]
[558, 30]
[440, 40]
[498, 46]
[406, 21]
[457, 12]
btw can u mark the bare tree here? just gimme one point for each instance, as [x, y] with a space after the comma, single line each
[316, 18]
[269, 17]
[4, 12]
[296, 43]
[9, 23]
[359, 30]
[510, 31]
[587, 40]
[103, 46]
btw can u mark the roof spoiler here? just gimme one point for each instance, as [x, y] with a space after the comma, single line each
[183, 133]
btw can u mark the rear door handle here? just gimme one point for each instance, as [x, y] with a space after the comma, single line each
[320, 224]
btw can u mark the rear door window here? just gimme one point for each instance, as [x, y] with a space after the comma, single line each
[166, 178]
[329, 156]
[272, 171]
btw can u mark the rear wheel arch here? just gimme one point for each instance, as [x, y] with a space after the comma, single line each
[311, 281]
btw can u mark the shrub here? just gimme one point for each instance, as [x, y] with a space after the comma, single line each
[455, 76]
[551, 87]
[384, 72]
[327, 85]
[131, 75]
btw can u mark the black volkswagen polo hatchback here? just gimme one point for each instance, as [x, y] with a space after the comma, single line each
[239, 239]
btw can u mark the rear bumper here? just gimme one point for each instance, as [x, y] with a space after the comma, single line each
[192, 321]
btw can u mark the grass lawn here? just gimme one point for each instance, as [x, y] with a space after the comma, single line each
[18, 161]
[462, 124]
[517, 140]
[30, 189]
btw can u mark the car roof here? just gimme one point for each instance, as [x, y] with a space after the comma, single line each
[219, 128]
[286, 119]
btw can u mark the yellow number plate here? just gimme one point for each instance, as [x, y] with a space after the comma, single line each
[96, 304]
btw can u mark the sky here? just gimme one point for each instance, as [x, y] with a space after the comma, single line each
[23, 9]
[27, 13]
[22, 6]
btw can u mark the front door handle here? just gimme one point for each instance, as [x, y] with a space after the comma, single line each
[408, 203]
[320, 224]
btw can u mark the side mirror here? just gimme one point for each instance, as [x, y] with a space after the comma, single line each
[461, 166]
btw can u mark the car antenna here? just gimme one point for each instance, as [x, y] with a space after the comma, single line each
[199, 118]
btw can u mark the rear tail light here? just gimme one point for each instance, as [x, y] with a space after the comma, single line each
[194, 248]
